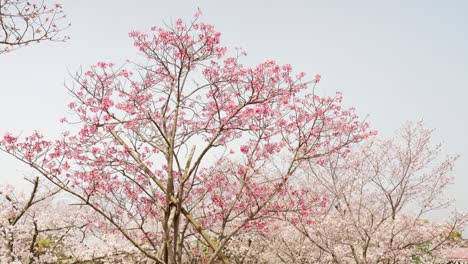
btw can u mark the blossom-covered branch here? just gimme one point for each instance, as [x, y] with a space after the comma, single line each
[23, 22]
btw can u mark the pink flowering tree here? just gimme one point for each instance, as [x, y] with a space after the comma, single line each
[41, 228]
[188, 149]
[379, 196]
[23, 22]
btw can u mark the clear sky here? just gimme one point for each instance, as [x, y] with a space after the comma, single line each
[393, 60]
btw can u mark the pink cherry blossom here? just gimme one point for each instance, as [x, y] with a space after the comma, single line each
[24, 22]
[127, 159]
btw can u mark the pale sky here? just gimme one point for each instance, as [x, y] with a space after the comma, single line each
[394, 61]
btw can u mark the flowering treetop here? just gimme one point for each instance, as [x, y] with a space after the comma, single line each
[185, 151]
[23, 22]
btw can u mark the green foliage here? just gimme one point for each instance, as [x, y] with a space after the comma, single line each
[456, 235]
[423, 250]
[45, 243]
[416, 260]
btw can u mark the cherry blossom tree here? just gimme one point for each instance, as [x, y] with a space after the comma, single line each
[38, 228]
[187, 150]
[380, 195]
[23, 22]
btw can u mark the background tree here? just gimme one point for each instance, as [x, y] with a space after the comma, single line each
[23, 22]
[180, 153]
[380, 195]
[42, 228]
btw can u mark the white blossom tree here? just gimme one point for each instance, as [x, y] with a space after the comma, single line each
[41, 228]
[380, 195]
